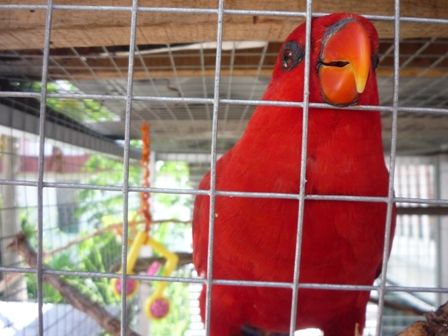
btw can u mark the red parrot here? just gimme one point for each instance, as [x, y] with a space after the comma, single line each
[254, 238]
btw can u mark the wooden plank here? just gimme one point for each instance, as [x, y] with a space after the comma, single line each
[434, 210]
[83, 73]
[24, 29]
[141, 74]
[93, 63]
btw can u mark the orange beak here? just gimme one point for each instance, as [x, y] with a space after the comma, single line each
[345, 64]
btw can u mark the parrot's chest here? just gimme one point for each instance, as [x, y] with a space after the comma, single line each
[356, 171]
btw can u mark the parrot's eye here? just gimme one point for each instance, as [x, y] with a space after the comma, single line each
[292, 55]
[375, 60]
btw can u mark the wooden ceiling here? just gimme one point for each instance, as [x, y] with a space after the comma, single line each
[24, 28]
[418, 57]
[92, 43]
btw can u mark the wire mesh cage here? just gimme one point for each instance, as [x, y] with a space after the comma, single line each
[86, 217]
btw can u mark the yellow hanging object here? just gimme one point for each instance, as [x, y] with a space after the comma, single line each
[157, 305]
[131, 285]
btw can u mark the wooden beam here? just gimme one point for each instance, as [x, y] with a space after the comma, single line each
[24, 29]
[71, 294]
[423, 210]
[436, 323]
[141, 74]
[96, 64]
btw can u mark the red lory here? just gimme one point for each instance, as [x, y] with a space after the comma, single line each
[254, 238]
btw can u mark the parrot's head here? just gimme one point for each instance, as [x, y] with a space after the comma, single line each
[343, 59]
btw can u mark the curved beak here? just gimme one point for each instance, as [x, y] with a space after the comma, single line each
[350, 44]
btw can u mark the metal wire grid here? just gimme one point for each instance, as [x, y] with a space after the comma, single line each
[213, 193]
[74, 322]
[18, 161]
[167, 116]
[69, 60]
[72, 62]
[413, 259]
[173, 114]
[63, 162]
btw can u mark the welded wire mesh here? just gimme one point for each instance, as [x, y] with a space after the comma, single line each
[206, 103]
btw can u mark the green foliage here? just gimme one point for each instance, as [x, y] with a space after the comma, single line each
[101, 253]
[51, 295]
[28, 229]
[96, 254]
[82, 110]
[173, 174]
[175, 169]
[104, 170]
[173, 235]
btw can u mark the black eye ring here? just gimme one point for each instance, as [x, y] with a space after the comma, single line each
[292, 55]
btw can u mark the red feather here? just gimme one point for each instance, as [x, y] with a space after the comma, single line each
[254, 238]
